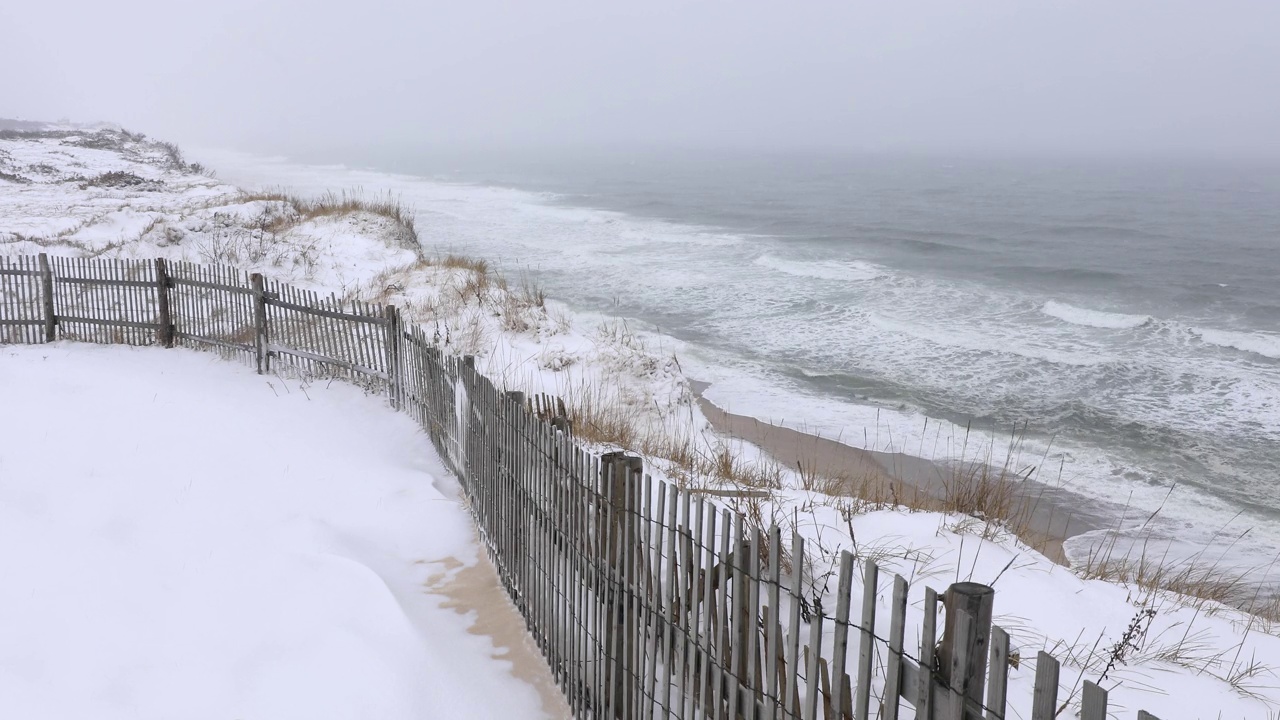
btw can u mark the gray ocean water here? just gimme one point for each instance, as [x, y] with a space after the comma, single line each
[1124, 314]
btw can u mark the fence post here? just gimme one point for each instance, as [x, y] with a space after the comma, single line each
[976, 601]
[393, 355]
[164, 333]
[260, 322]
[46, 290]
[619, 537]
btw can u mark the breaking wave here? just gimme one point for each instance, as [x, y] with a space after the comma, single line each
[1093, 318]
[1265, 344]
[842, 271]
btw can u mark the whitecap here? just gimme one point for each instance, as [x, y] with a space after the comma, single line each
[1093, 318]
[1265, 344]
[842, 271]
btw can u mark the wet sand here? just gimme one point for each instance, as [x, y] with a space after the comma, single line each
[1055, 514]
[476, 589]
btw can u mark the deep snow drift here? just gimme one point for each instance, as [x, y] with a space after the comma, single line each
[180, 537]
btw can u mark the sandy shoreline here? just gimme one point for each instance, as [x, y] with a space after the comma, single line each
[1055, 514]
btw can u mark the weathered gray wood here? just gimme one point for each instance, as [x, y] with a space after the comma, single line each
[261, 337]
[46, 299]
[977, 602]
[998, 674]
[211, 341]
[669, 600]
[792, 704]
[105, 322]
[708, 602]
[840, 648]
[660, 638]
[752, 678]
[211, 285]
[1045, 698]
[693, 615]
[957, 664]
[772, 689]
[114, 282]
[866, 646]
[394, 379]
[893, 671]
[1093, 705]
[928, 639]
[164, 334]
[684, 566]
[812, 687]
[724, 665]
[309, 309]
[280, 350]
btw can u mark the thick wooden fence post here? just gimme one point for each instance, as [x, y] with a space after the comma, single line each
[976, 601]
[46, 292]
[260, 323]
[393, 355]
[164, 333]
[619, 530]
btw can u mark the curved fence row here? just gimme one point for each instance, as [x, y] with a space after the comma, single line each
[647, 600]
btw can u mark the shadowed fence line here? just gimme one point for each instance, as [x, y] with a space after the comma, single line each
[646, 600]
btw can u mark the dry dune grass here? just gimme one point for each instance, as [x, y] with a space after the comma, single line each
[333, 204]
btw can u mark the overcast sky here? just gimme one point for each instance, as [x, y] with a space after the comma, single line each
[1010, 76]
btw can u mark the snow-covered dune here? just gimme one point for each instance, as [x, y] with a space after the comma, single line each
[180, 537]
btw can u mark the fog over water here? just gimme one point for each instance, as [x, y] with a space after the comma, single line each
[1003, 77]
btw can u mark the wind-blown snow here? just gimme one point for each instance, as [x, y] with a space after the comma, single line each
[180, 537]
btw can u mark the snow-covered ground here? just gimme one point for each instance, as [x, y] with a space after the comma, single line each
[1184, 658]
[180, 537]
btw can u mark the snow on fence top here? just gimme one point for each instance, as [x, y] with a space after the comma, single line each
[645, 599]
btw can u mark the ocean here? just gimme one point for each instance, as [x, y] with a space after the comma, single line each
[1112, 327]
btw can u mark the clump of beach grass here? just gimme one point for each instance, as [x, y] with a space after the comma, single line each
[297, 209]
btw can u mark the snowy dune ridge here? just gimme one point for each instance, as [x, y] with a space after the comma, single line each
[295, 578]
[106, 193]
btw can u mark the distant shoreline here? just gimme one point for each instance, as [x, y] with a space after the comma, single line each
[1055, 515]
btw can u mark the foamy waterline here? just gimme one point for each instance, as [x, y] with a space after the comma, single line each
[1093, 318]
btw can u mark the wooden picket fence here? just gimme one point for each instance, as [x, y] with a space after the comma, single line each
[646, 600]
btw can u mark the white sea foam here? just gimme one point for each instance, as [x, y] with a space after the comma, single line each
[1093, 318]
[823, 269]
[1265, 344]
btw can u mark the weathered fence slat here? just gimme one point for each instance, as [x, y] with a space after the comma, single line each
[998, 674]
[841, 645]
[1093, 704]
[1045, 698]
[792, 705]
[928, 639]
[870, 580]
[897, 629]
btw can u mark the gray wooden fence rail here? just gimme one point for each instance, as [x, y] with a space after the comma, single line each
[646, 600]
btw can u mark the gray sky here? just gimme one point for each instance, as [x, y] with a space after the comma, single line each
[1008, 76]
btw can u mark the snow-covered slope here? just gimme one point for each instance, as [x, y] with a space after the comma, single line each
[180, 537]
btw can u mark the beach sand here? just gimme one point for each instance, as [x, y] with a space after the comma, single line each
[1054, 514]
